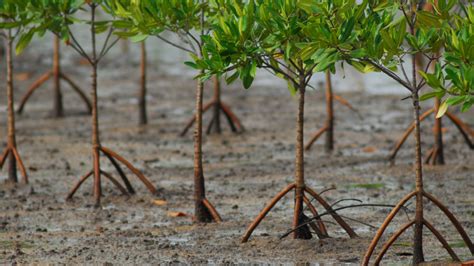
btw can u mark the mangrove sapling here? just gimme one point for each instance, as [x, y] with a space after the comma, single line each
[381, 42]
[142, 114]
[244, 39]
[57, 75]
[328, 128]
[61, 14]
[13, 24]
[217, 106]
[186, 19]
[435, 155]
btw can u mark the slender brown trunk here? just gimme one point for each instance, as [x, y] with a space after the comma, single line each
[143, 119]
[330, 113]
[418, 232]
[58, 110]
[95, 113]
[201, 213]
[298, 217]
[217, 105]
[12, 174]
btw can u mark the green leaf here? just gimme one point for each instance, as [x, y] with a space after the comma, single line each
[24, 41]
[443, 108]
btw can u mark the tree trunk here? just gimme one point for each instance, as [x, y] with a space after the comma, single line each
[143, 119]
[12, 174]
[418, 232]
[58, 110]
[217, 105]
[201, 213]
[330, 114]
[301, 233]
[95, 113]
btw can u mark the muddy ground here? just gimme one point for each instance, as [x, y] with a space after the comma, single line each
[242, 172]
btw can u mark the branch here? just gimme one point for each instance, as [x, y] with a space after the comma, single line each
[390, 73]
[103, 53]
[77, 46]
[175, 45]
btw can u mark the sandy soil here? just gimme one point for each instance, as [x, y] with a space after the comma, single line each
[243, 172]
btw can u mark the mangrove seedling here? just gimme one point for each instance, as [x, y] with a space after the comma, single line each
[275, 36]
[58, 18]
[386, 35]
[187, 20]
[13, 25]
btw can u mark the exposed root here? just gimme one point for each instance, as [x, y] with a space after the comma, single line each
[424, 222]
[234, 122]
[302, 227]
[12, 150]
[43, 79]
[210, 208]
[97, 172]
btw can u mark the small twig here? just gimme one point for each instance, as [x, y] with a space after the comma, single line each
[315, 218]
[175, 45]
[341, 200]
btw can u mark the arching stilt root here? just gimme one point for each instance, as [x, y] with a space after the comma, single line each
[424, 222]
[435, 154]
[218, 107]
[12, 152]
[57, 76]
[43, 79]
[319, 227]
[97, 172]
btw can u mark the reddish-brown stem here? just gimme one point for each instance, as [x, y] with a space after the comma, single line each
[217, 106]
[201, 213]
[143, 118]
[299, 162]
[11, 141]
[330, 113]
[58, 101]
[97, 183]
